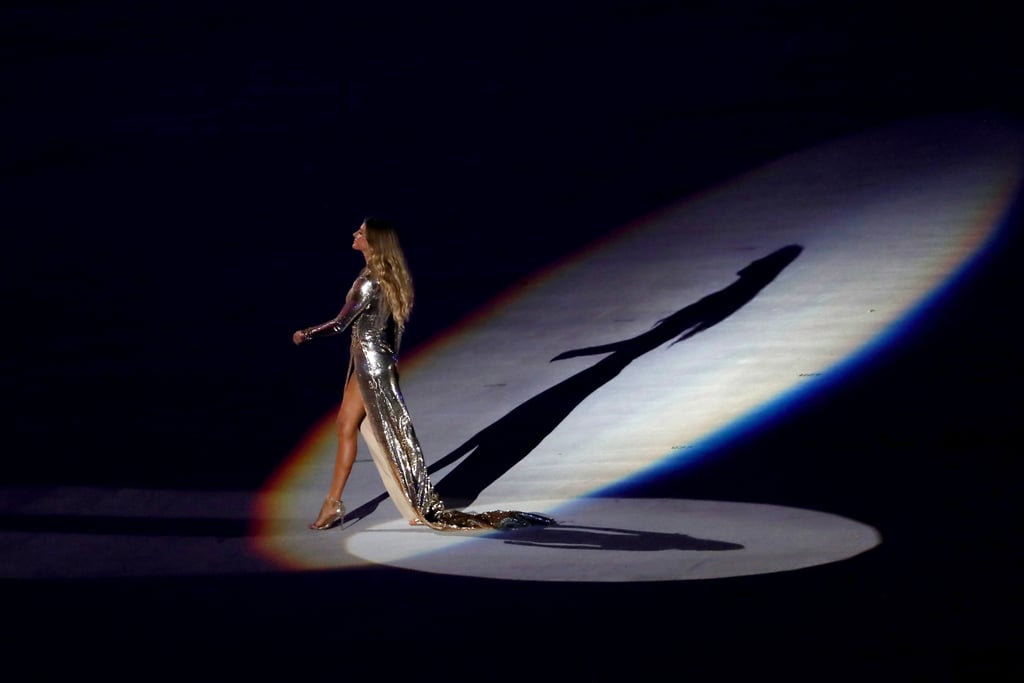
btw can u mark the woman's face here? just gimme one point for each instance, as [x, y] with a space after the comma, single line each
[359, 242]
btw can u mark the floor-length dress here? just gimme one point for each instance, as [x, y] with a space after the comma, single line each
[387, 428]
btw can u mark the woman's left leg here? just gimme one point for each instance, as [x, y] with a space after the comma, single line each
[350, 415]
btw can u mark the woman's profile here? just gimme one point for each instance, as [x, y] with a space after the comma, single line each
[376, 309]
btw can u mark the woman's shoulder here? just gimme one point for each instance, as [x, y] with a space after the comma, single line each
[366, 281]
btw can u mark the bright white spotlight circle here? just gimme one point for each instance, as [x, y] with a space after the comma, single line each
[619, 539]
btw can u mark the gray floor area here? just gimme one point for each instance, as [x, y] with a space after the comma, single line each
[742, 330]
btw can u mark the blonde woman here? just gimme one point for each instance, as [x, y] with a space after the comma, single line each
[376, 308]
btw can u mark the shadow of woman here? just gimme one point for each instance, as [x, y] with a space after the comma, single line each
[574, 537]
[505, 442]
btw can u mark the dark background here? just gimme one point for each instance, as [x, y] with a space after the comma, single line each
[180, 184]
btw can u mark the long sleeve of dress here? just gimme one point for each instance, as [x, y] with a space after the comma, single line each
[359, 295]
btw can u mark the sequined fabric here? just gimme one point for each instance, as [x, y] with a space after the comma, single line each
[388, 429]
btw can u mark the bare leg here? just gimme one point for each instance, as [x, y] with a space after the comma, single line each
[350, 415]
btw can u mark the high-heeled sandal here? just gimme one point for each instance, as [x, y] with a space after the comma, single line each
[332, 512]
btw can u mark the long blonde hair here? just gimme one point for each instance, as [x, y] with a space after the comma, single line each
[386, 262]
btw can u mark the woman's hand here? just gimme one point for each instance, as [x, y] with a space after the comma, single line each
[298, 337]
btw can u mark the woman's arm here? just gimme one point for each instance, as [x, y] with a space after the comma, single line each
[360, 294]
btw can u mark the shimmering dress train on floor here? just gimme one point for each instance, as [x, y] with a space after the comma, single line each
[387, 428]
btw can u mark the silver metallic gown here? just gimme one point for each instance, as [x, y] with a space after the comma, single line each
[387, 428]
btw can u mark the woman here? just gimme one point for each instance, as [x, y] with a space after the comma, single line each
[377, 307]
